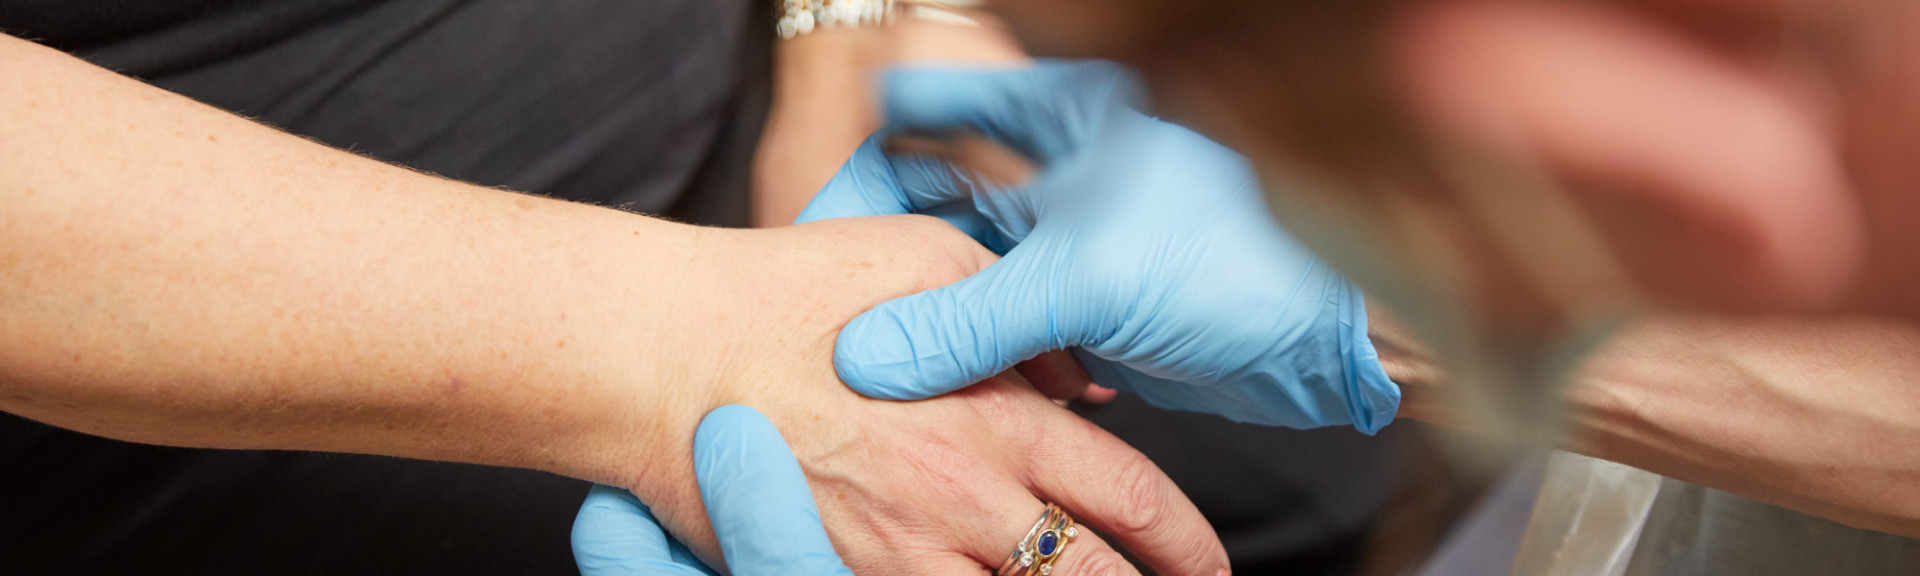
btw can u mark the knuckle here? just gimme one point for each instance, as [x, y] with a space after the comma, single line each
[1008, 410]
[996, 400]
[1143, 494]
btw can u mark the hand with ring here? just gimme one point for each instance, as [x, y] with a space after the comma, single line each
[1045, 542]
[946, 485]
[764, 515]
[758, 501]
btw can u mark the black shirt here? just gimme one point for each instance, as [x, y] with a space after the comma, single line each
[615, 102]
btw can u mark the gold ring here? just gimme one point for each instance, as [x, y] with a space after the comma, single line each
[1042, 545]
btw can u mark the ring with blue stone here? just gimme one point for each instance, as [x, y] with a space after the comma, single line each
[1043, 544]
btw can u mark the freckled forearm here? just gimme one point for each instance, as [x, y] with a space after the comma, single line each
[170, 273]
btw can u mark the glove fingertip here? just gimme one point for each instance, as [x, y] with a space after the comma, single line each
[734, 418]
[615, 534]
[610, 512]
[877, 357]
[864, 186]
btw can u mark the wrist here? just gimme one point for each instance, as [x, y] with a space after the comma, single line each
[755, 321]
[639, 320]
[1409, 364]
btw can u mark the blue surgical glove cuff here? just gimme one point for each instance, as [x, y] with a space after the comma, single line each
[1372, 398]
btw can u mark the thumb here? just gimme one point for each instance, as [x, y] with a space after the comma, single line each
[864, 186]
[875, 182]
[616, 535]
[757, 498]
[945, 339]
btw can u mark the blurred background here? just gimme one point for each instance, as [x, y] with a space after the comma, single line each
[691, 110]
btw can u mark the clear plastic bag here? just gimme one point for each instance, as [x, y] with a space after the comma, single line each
[1587, 518]
[1600, 518]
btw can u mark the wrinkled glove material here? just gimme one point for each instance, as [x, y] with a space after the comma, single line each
[1144, 247]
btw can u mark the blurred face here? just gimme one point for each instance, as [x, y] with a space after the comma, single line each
[1532, 165]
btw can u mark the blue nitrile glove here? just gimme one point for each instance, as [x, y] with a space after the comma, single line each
[756, 497]
[1143, 244]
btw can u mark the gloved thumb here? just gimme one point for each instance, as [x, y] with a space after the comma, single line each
[875, 182]
[945, 339]
[757, 498]
[616, 535]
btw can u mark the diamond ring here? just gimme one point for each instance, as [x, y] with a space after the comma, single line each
[1042, 545]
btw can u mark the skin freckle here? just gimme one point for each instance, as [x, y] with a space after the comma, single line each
[212, 138]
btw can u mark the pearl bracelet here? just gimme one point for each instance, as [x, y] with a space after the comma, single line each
[799, 17]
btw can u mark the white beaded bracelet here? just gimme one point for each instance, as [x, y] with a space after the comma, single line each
[799, 17]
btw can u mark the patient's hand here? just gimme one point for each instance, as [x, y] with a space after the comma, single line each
[947, 485]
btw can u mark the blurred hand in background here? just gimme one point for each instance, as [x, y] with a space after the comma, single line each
[1725, 155]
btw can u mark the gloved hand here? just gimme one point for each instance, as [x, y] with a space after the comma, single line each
[1143, 244]
[756, 497]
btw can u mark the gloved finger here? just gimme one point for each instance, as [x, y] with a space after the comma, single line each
[992, 176]
[1112, 487]
[1043, 111]
[616, 535]
[757, 498]
[1056, 374]
[963, 215]
[876, 181]
[864, 186]
[937, 341]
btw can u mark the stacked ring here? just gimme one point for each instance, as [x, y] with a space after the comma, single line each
[1042, 545]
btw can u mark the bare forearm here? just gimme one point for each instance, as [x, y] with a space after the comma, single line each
[175, 274]
[822, 109]
[1821, 417]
